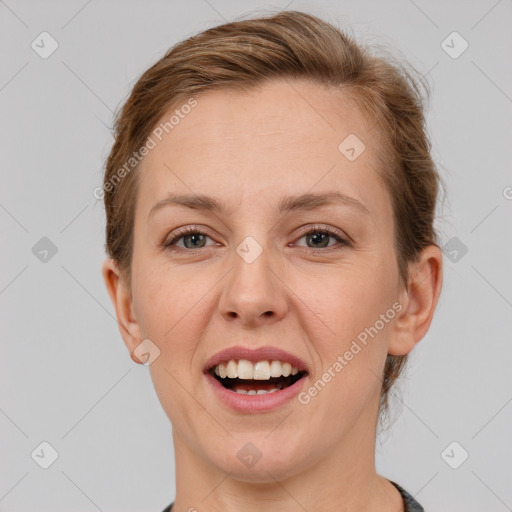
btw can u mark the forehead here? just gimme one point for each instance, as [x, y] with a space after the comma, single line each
[283, 136]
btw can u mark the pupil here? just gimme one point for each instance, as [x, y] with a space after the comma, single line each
[194, 237]
[316, 237]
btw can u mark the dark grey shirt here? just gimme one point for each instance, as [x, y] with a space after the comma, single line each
[410, 504]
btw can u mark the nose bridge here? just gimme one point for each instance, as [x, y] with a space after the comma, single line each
[252, 291]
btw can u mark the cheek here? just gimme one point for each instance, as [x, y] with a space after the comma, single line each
[351, 345]
[344, 325]
[343, 302]
[171, 302]
[172, 310]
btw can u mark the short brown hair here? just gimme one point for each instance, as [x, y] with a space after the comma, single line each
[292, 45]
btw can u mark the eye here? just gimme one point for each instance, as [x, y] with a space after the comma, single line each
[319, 237]
[193, 238]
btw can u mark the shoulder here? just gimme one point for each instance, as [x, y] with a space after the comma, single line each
[410, 504]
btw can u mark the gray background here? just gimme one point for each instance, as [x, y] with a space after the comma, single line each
[65, 375]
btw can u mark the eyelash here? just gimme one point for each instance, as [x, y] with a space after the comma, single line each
[170, 245]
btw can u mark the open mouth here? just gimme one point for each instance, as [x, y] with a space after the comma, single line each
[258, 387]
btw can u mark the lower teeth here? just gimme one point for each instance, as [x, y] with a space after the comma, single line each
[254, 392]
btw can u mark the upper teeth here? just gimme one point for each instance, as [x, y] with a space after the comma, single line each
[262, 370]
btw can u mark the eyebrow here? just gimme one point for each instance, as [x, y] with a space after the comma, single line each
[286, 204]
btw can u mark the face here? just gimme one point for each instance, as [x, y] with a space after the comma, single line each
[310, 278]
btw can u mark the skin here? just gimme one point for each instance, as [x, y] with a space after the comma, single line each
[249, 149]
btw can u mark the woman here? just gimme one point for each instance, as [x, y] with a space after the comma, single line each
[270, 200]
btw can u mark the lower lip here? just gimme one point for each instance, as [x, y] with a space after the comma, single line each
[254, 403]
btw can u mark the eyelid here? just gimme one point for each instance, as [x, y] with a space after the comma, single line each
[343, 239]
[335, 233]
[179, 233]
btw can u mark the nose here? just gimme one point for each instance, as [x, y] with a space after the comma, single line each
[254, 293]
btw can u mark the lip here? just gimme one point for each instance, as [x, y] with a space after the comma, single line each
[254, 403]
[254, 355]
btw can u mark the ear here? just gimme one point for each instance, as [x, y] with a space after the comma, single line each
[121, 298]
[418, 301]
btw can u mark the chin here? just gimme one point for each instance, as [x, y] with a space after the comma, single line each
[257, 465]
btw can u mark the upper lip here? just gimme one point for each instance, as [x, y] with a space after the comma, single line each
[254, 355]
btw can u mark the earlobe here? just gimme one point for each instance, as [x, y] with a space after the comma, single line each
[122, 302]
[419, 301]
